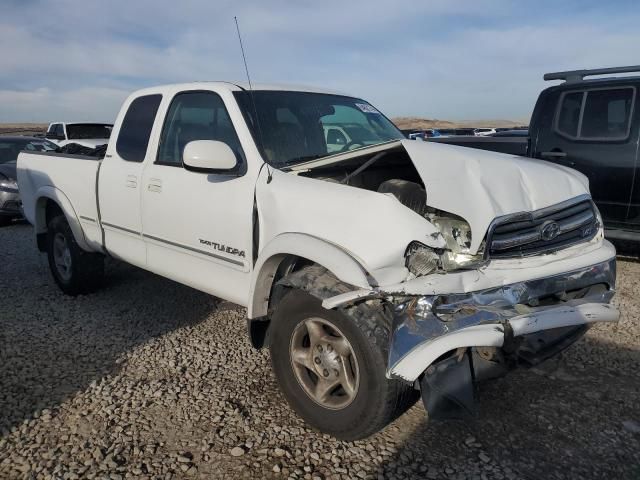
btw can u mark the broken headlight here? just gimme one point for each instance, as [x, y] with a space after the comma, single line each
[457, 235]
[420, 259]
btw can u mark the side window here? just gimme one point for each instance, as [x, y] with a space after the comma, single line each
[195, 116]
[607, 114]
[569, 115]
[133, 138]
[60, 130]
[53, 130]
[601, 114]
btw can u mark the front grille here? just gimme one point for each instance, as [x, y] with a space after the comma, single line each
[543, 231]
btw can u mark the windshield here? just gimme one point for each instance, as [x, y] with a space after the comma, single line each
[88, 130]
[298, 126]
[10, 148]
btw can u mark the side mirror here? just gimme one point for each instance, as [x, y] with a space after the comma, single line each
[208, 156]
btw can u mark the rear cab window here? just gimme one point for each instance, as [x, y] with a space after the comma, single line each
[133, 138]
[602, 114]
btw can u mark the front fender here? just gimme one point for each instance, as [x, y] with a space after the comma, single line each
[343, 265]
[45, 193]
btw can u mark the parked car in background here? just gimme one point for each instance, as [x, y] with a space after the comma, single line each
[593, 126]
[512, 142]
[522, 132]
[372, 273]
[483, 132]
[413, 134]
[86, 134]
[10, 147]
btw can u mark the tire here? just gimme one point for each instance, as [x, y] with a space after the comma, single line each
[5, 220]
[377, 400]
[82, 272]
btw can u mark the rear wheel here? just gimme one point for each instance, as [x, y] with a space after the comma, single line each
[74, 270]
[331, 366]
[5, 220]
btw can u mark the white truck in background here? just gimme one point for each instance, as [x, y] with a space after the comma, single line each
[385, 269]
[90, 135]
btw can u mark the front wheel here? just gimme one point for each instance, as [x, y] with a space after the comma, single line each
[74, 270]
[331, 367]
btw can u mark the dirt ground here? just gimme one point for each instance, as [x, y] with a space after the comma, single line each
[150, 379]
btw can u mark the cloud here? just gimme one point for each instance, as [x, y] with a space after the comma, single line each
[45, 105]
[464, 59]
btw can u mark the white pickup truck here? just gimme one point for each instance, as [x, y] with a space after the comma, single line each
[386, 270]
[90, 135]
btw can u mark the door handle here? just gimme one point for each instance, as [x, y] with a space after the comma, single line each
[132, 181]
[553, 154]
[154, 185]
[558, 156]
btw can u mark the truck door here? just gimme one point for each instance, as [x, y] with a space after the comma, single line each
[120, 181]
[198, 226]
[633, 216]
[590, 130]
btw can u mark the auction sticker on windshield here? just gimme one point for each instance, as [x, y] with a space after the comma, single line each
[366, 108]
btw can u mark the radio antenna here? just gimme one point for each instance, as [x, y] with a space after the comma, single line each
[253, 101]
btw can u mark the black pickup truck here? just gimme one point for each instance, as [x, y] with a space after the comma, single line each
[592, 125]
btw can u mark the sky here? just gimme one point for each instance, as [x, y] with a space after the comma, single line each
[77, 60]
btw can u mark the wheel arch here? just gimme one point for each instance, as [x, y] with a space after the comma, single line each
[50, 201]
[290, 249]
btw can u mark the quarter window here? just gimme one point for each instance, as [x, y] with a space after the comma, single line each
[135, 130]
[601, 114]
[195, 116]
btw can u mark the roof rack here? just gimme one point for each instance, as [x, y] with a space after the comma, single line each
[578, 75]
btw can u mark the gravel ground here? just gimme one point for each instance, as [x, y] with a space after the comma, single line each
[151, 379]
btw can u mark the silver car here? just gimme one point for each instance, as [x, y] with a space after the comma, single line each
[10, 205]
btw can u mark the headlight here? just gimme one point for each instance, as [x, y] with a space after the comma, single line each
[457, 235]
[599, 222]
[422, 260]
[8, 185]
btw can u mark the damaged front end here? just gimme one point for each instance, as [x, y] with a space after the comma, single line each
[450, 342]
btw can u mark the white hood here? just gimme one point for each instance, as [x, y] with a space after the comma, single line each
[479, 185]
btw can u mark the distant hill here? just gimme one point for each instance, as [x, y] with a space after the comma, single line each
[424, 123]
[22, 128]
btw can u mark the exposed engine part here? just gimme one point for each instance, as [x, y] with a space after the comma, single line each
[410, 194]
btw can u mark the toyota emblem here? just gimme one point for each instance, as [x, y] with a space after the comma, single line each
[549, 230]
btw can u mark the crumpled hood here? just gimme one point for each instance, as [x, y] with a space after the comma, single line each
[9, 170]
[479, 185]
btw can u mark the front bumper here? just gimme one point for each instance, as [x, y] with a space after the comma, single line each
[426, 327]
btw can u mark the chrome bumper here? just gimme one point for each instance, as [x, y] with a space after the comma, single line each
[426, 327]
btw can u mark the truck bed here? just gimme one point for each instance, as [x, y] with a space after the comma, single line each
[44, 175]
[511, 145]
